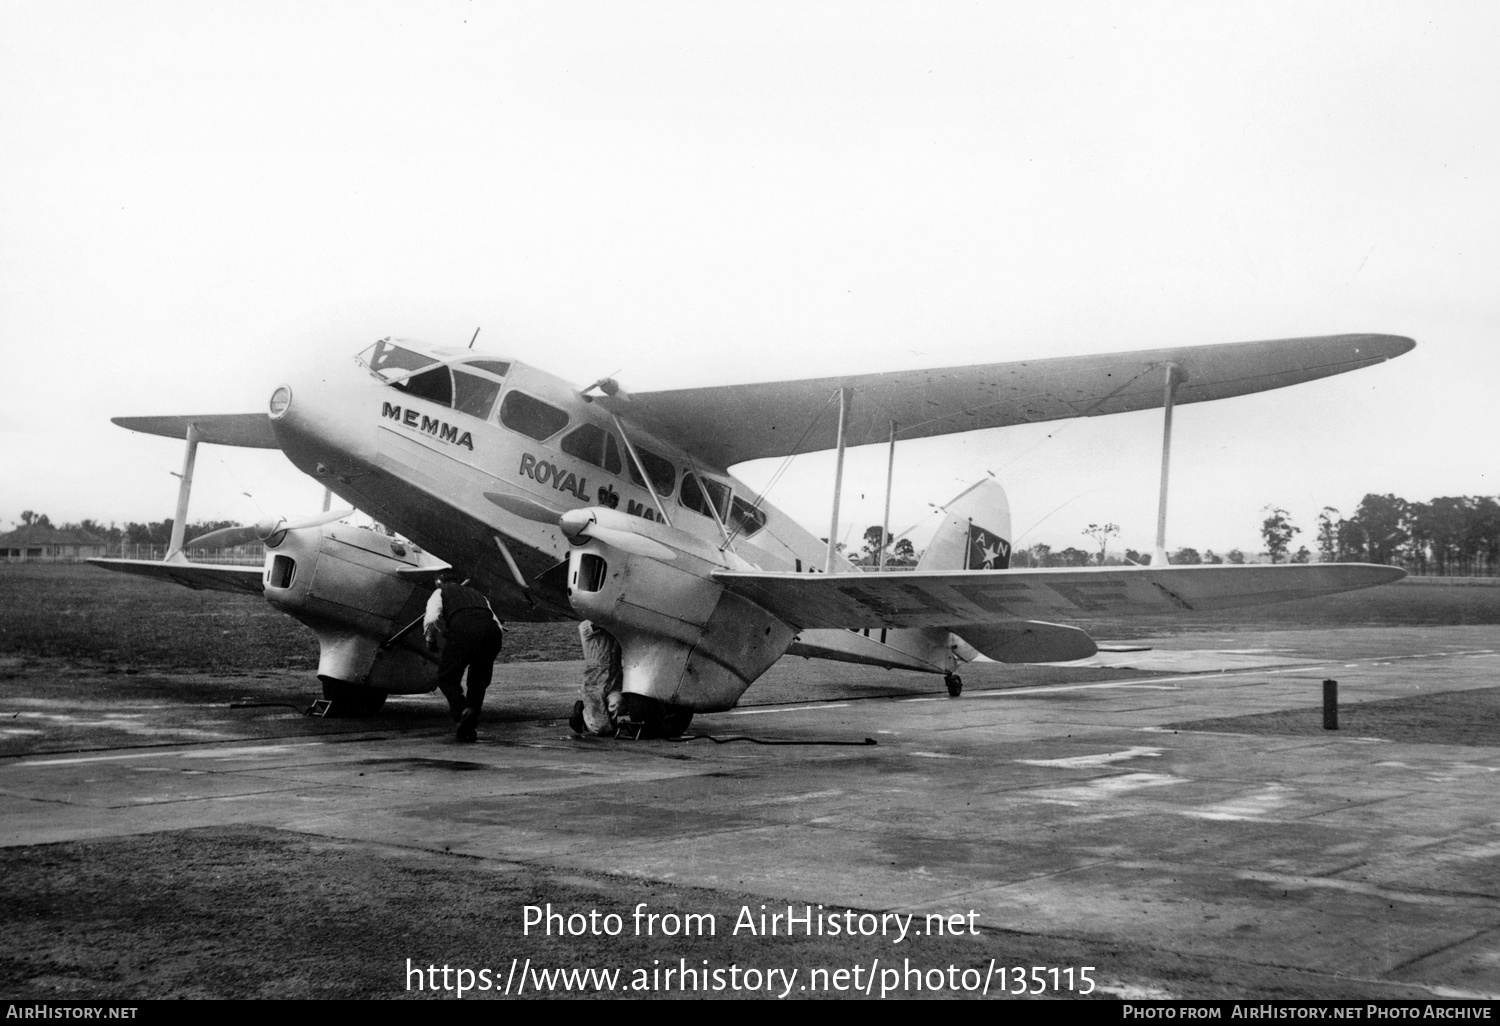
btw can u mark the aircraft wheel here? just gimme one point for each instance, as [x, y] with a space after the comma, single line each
[676, 721]
[656, 718]
[955, 684]
[351, 700]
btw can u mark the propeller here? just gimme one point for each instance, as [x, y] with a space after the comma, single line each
[526, 509]
[229, 537]
[580, 525]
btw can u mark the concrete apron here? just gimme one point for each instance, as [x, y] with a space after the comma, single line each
[1064, 810]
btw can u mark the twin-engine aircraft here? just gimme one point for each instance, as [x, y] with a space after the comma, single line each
[619, 507]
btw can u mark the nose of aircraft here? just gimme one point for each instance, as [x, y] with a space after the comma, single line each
[322, 412]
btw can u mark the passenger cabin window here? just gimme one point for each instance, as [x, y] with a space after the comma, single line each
[693, 498]
[532, 417]
[593, 444]
[474, 395]
[434, 385]
[747, 518]
[663, 473]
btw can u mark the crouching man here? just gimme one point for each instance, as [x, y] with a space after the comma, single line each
[598, 712]
[473, 638]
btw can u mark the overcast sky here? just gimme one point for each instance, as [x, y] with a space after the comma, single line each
[195, 197]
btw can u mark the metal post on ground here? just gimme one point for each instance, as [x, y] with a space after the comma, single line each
[1330, 705]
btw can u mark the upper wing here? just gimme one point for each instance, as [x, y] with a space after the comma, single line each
[198, 576]
[729, 424]
[954, 598]
[250, 430]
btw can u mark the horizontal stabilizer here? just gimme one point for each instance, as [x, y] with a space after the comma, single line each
[954, 598]
[1029, 642]
[248, 430]
[198, 576]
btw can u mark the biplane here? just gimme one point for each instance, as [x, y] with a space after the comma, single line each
[621, 507]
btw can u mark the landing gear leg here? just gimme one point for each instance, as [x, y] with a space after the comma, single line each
[955, 684]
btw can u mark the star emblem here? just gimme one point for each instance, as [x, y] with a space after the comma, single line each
[987, 551]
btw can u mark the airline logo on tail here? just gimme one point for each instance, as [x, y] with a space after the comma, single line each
[986, 551]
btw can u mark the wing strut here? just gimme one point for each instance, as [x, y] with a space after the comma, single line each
[1175, 377]
[515, 571]
[640, 468]
[890, 471]
[845, 394]
[712, 509]
[185, 489]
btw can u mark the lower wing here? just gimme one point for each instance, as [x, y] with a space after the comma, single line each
[198, 576]
[956, 598]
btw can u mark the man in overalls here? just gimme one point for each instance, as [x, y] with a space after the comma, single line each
[474, 636]
[598, 712]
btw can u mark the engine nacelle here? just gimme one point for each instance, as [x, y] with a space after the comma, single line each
[685, 640]
[344, 583]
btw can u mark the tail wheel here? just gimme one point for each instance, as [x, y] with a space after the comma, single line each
[955, 684]
[351, 699]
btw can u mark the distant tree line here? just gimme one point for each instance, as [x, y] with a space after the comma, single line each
[158, 532]
[1448, 536]
[902, 553]
[1452, 536]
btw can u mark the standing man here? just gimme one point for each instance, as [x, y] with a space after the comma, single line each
[599, 711]
[474, 636]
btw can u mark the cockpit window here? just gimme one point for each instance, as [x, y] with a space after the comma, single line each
[663, 473]
[474, 395]
[532, 417]
[594, 445]
[499, 368]
[747, 518]
[434, 385]
[392, 362]
[693, 498]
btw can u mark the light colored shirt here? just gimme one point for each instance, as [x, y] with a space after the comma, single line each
[434, 614]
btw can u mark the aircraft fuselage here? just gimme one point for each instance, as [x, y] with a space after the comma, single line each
[420, 447]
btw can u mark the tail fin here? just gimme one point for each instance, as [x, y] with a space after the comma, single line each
[975, 533]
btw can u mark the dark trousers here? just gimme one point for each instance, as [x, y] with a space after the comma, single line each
[473, 643]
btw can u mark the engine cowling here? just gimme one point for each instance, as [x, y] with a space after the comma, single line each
[684, 639]
[344, 583]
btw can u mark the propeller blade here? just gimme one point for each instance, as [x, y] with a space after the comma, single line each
[526, 509]
[229, 537]
[579, 523]
[314, 521]
[225, 538]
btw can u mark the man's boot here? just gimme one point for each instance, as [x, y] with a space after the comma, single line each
[468, 725]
